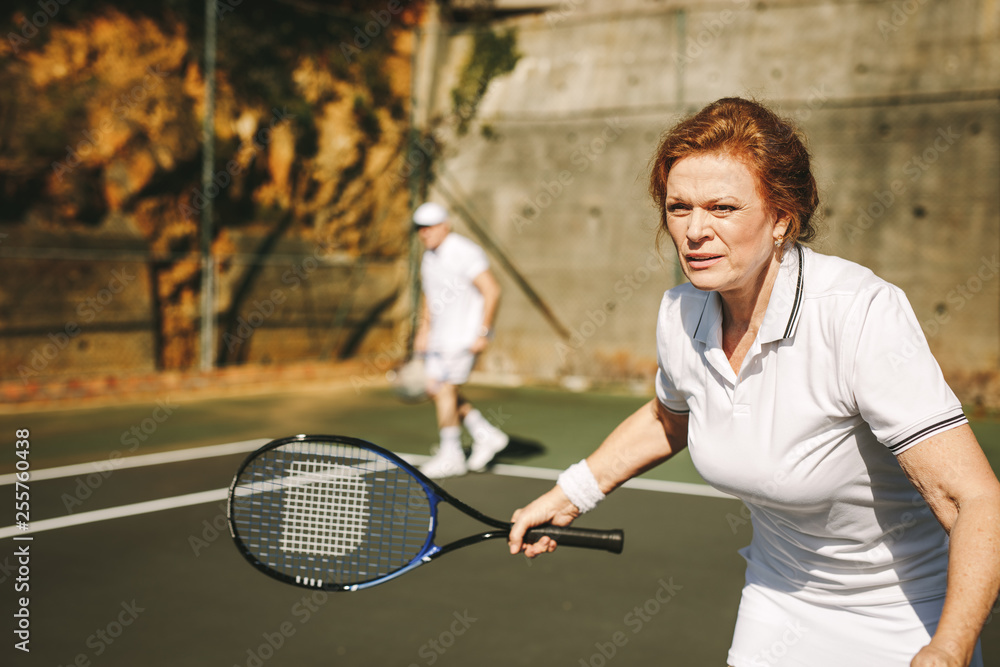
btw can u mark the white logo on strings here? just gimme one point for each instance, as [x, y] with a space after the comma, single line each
[325, 509]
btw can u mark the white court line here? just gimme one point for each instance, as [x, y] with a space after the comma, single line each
[117, 512]
[118, 463]
[135, 509]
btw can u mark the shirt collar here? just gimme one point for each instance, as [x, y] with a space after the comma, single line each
[783, 307]
[785, 304]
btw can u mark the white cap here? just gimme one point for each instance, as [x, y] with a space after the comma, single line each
[429, 214]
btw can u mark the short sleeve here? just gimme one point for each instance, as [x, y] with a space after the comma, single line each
[666, 391]
[474, 261]
[896, 381]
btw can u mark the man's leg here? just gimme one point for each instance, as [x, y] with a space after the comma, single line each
[487, 439]
[446, 402]
[450, 458]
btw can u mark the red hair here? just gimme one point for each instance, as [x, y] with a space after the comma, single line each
[768, 145]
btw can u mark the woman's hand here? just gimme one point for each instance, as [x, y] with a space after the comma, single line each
[932, 656]
[553, 507]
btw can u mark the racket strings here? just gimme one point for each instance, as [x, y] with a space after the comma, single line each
[330, 511]
[325, 511]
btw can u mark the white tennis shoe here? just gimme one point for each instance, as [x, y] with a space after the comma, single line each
[485, 448]
[445, 464]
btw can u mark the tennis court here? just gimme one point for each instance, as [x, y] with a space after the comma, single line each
[167, 587]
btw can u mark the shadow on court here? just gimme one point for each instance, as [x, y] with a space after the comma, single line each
[520, 451]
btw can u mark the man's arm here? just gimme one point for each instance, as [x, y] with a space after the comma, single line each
[423, 328]
[488, 286]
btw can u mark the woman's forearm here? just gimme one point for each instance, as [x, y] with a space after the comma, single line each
[973, 576]
[955, 478]
[648, 437]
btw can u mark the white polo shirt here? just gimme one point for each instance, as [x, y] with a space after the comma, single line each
[456, 305]
[839, 379]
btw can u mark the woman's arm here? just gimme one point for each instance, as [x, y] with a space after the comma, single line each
[954, 477]
[648, 437]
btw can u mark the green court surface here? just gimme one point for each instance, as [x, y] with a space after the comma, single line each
[169, 588]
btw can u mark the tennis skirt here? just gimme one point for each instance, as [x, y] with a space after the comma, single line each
[774, 629]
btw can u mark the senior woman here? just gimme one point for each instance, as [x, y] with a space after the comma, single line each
[876, 516]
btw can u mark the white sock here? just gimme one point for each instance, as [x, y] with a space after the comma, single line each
[451, 440]
[476, 424]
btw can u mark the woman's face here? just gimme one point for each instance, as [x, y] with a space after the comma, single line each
[722, 229]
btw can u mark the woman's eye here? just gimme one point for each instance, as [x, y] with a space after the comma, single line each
[677, 208]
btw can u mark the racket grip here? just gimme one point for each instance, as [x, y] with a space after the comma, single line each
[587, 538]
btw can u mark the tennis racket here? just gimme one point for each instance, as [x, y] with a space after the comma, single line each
[342, 514]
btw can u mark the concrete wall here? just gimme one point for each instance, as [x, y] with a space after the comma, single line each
[900, 104]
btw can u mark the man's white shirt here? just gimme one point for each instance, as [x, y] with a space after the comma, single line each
[455, 304]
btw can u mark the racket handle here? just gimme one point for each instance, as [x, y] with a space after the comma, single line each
[587, 538]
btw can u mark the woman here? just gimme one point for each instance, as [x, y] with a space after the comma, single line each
[784, 371]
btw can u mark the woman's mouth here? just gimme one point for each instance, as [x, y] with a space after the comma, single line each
[701, 260]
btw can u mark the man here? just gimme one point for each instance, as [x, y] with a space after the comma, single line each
[455, 325]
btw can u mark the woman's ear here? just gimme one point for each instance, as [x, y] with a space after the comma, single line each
[782, 227]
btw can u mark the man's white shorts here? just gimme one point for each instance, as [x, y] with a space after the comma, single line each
[449, 367]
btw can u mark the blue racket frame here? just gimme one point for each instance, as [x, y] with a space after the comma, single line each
[608, 540]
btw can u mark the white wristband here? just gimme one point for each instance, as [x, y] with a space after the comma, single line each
[580, 486]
